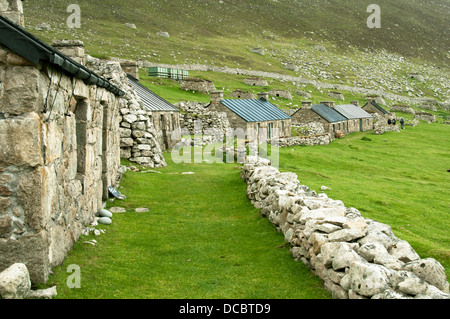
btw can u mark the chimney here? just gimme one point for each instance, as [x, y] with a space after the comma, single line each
[13, 10]
[306, 105]
[369, 99]
[74, 49]
[355, 103]
[131, 68]
[263, 95]
[216, 97]
[328, 103]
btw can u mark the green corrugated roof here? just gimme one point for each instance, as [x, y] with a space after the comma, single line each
[328, 113]
[255, 110]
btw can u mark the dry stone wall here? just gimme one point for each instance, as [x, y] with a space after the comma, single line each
[322, 139]
[356, 257]
[138, 138]
[212, 122]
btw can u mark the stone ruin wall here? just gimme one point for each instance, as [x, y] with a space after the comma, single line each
[213, 123]
[356, 257]
[197, 84]
[59, 150]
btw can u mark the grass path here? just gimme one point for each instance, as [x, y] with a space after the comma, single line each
[201, 239]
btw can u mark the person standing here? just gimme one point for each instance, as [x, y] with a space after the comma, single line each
[402, 123]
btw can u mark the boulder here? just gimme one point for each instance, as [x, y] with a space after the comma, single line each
[15, 282]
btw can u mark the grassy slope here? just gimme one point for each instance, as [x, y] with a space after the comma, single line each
[207, 30]
[201, 239]
[400, 179]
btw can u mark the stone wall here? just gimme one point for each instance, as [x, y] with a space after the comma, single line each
[210, 120]
[424, 116]
[322, 139]
[356, 257]
[197, 84]
[59, 151]
[280, 93]
[140, 142]
[240, 94]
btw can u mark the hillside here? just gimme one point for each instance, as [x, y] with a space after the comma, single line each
[321, 40]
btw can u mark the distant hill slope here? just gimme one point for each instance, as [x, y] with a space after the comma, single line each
[412, 28]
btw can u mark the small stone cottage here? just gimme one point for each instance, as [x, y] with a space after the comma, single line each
[59, 147]
[373, 107]
[332, 121]
[254, 116]
[358, 120]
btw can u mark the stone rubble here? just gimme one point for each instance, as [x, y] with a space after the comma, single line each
[356, 257]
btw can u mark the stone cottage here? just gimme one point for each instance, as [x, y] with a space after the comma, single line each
[358, 120]
[164, 116]
[254, 116]
[332, 121]
[59, 147]
[373, 107]
[256, 81]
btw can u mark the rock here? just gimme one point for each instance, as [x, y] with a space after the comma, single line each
[369, 279]
[117, 209]
[42, 293]
[105, 220]
[42, 26]
[431, 271]
[104, 213]
[403, 251]
[336, 95]
[141, 210]
[344, 257]
[324, 188]
[346, 235]
[163, 34]
[15, 282]
[130, 25]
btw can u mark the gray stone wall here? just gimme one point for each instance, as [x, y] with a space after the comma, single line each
[197, 84]
[59, 151]
[140, 142]
[356, 257]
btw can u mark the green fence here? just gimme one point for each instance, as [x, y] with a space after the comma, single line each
[175, 74]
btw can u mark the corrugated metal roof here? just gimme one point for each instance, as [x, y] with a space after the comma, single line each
[255, 110]
[328, 113]
[151, 100]
[352, 111]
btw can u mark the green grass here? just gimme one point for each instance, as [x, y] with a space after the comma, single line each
[399, 179]
[201, 239]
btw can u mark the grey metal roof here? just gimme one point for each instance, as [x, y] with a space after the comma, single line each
[255, 110]
[328, 113]
[351, 111]
[151, 100]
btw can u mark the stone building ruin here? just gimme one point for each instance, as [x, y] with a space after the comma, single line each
[59, 148]
[197, 84]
